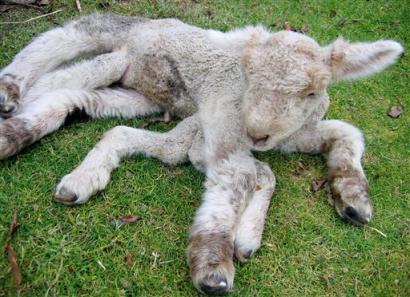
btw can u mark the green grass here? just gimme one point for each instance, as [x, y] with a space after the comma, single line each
[307, 250]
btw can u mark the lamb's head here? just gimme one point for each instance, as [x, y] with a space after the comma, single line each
[287, 75]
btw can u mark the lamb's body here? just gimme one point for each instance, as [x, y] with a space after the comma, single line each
[241, 90]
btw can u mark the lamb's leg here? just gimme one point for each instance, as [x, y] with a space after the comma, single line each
[49, 112]
[248, 234]
[343, 146]
[98, 72]
[230, 183]
[231, 180]
[90, 34]
[94, 172]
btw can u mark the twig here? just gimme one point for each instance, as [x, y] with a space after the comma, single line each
[32, 19]
[101, 265]
[378, 231]
[78, 4]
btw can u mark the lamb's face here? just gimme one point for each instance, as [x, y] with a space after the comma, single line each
[286, 81]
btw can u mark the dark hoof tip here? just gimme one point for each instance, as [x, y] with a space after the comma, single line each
[353, 216]
[65, 196]
[214, 284]
[248, 254]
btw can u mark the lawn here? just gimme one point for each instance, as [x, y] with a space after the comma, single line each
[307, 249]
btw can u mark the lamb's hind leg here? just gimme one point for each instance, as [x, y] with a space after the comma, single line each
[343, 146]
[49, 112]
[94, 172]
[248, 234]
[90, 34]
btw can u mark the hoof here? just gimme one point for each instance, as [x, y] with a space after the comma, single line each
[214, 284]
[243, 254]
[354, 216]
[66, 197]
[9, 98]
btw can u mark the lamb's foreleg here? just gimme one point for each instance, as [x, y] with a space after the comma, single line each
[343, 146]
[49, 112]
[94, 172]
[248, 234]
[230, 183]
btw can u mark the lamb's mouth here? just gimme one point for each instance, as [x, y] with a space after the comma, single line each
[258, 142]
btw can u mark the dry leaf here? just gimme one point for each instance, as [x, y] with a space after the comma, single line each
[288, 27]
[14, 266]
[258, 187]
[12, 254]
[128, 259]
[128, 218]
[318, 184]
[395, 111]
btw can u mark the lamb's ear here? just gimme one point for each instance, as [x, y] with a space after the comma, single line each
[355, 60]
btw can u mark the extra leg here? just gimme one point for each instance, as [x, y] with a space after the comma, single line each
[49, 112]
[94, 172]
[100, 71]
[344, 146]
[90, 34]
[250, 228]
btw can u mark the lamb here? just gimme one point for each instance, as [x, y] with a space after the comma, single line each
[243, 90]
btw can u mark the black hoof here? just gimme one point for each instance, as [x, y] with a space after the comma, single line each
[353, 216]
[214, 284]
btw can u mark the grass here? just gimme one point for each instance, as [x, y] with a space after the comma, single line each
[307, 250]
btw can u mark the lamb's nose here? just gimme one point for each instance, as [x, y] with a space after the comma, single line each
[259, 140]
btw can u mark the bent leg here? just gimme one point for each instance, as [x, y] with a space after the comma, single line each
[49, 112]
[248, 234]
[94, 172]
[343, 146]
[98, 72]
[90, 34]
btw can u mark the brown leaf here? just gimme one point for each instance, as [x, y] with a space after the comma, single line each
[128, 259]
[395, 111]
[258, 187]
[288, 27]
[128, 218]
[303, 29]
[15, 269]
[12, 256]
[318, 184]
